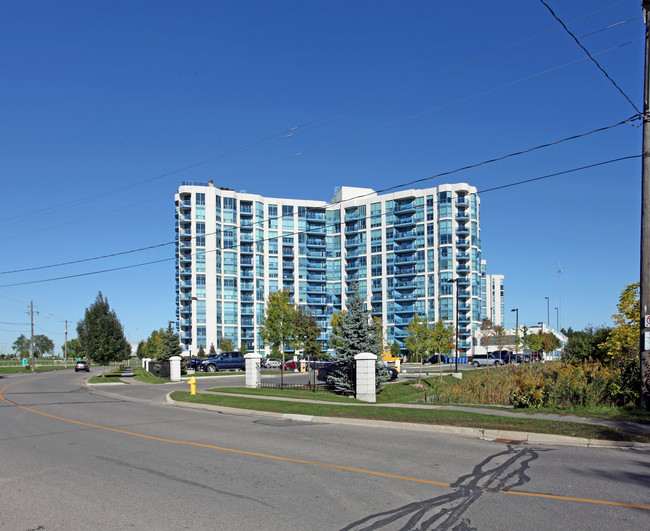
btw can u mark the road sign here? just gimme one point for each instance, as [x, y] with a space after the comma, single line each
[646, 321]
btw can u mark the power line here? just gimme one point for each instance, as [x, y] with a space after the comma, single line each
[402, 185]
[517, 183]
[591, 57]
[287, 133]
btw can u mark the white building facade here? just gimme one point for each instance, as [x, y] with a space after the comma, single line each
[494, 298]
[409, 252]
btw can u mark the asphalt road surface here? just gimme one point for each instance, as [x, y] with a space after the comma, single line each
[119, 458]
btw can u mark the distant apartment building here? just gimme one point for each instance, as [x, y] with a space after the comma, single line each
[408, 252]
[493, 298]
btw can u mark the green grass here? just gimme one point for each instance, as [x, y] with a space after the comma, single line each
[320, 394]
[144, 376]
[110, 377]
[608, 413]
[39, 368]
[422, 416]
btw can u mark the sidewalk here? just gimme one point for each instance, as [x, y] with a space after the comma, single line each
[160, 393]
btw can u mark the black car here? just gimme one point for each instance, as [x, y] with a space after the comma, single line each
[436, 358]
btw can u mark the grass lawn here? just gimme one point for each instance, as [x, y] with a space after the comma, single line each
[39, 368]
[422, 416]
[110, 377]
[144, 376]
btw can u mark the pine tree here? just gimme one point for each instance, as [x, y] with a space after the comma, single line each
[170, 344]
[355, 332]
[101, 335]
[213, 351]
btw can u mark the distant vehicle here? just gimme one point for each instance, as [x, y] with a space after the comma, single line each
[485, 360]
[391, 372]
[82, 365]
[224, 361]
[193, 363]
[272, 363]
[436, 358]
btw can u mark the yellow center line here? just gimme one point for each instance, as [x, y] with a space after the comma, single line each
[305, 462]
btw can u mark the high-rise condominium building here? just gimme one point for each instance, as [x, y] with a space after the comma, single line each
[494, 299]
[409, 252]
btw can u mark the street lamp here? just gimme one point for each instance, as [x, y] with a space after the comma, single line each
[455, 281]
[548, 312]
[557, 319]
[516, 330]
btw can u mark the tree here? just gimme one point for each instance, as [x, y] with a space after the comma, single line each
[227, 344]
[395, 349]
[22, 346]
[278, 326]
[141, 352]
[622, 344]
[243, 348]
[487, 330]
[213, 351]
[201, 352]
[306, 332]
[585, 344]
[355, 332]
[73, 348]
[442, 340]
[154, 344]
[101, 335]
[418, 341]
[500, 337]
[42, 345]
[170, 344]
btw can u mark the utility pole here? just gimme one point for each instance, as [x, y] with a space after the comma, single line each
[644, 296]
[31, 341]
[65, 346]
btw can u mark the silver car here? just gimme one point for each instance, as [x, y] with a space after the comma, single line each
[272, 363]
[484, 360]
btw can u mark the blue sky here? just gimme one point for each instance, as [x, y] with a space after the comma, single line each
[109, 105]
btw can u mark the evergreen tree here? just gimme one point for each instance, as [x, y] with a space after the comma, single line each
[213, 351]
[201, 352]
[101, 335]
[354, 333]
[142, 350]
[170, 344]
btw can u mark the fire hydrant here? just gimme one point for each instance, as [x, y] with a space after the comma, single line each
[192, 383]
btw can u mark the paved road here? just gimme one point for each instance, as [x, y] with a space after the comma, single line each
[76, 459]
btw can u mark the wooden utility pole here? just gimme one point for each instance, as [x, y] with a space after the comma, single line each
[31, 340]
[644, 350]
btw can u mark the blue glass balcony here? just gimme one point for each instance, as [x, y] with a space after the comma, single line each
[316, 242]
[404, 222]
[316, 266]
[316, 216]
[406, 259]
[404, 207]
[462, 202]
[404, 271]
[462, 230]
[404, 248]
[462, 242]
[246, 249]
[462, 215]
[406, 235]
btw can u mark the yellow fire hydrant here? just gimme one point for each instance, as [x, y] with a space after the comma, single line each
[192, 383]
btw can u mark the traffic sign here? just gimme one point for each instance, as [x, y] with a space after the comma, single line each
[646, 321]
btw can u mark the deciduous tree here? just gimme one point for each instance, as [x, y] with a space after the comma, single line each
[278, 326]
[101, 334]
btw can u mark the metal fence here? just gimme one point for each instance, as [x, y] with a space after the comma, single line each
[159, 368]
[293, 380]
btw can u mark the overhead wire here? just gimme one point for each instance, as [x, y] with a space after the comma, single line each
[508, 185]
[591, 57]
[290, 131]
[631, 119]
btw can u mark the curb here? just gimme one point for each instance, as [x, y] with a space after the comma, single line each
[499, 436]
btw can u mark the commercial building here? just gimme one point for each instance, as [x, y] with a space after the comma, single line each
[413, 251]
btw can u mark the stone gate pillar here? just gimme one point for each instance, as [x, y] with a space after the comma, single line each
[366, 386]
[253, 370]
[175, 368]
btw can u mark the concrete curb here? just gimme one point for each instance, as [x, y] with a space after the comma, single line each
[502, 436]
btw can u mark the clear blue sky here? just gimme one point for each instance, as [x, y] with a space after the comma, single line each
[108, 105]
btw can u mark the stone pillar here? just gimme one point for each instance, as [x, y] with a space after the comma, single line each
[366, 388]
[175, 368]
[145, 363]
[253, 370]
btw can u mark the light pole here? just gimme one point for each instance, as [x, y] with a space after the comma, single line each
[548, 312]
[516, 330]
[455, 281]
[557, 319]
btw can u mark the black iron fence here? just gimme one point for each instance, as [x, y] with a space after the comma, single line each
[159, 368]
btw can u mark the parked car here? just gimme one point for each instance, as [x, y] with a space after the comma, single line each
[193, 363]
[226, 360]
[391, 372]
[82, 365]
[484, 360]
[436, 358]
[272, 363]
